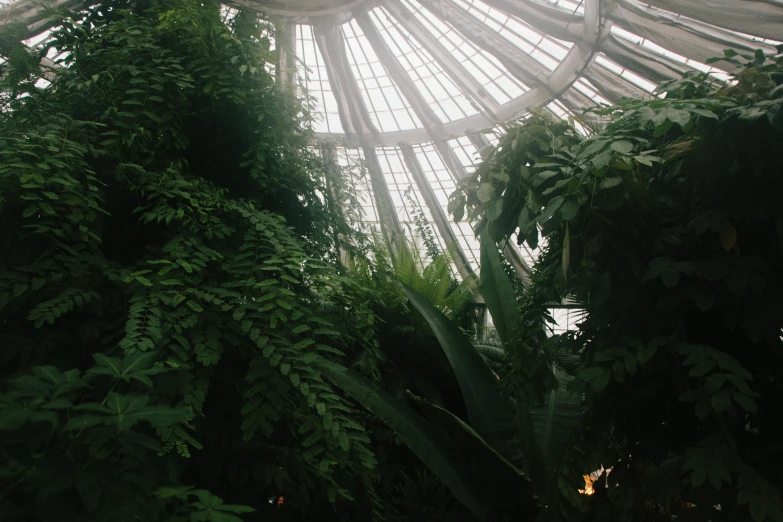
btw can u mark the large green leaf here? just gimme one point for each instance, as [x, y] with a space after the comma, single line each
[137, 365]
[503, 485]
[555, 425]
[12, 416]
[555, 421]
[124, 411]
[489, 414]
[423, 439]
[497, 291]
[546, 431]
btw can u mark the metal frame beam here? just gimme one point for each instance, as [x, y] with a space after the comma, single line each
[575, 101]
[514, 256]
[398, 75]
[332, 170]
[340, 13]
[33, 15]
[760, 18]
[285, 41]
[643, 62]
[431, 123]
[356, 120]
[478, 140]
[521, 65]
[612, 86]
[685, 37]
[390, 223]
[595, 29]
[458, 74]
[359, 129]
[457, 170]
[553, 21]
[353, 112]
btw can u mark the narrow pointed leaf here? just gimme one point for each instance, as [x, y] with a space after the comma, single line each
[489, 414]
[423, 440]
[497, 291]
[555, 425]
[503, 485]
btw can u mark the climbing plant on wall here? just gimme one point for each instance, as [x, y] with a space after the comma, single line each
[169, 296]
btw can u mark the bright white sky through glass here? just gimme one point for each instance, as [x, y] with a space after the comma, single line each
[388, 108]
[443, 185]
[351, 161]
[316, 81]
[399, 180]
[446, 100]
[500, 84]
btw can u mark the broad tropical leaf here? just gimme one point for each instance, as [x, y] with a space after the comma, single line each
[497, 291]
[555, 425]
[489, 414]
[503, 485]
[547, 431]
[422, 438]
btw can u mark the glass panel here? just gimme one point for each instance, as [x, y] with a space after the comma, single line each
[546, 50]
[352, 163]
[494, 134]
[630, 37]
[632, 77]
[564, 113]
[466, 153]
[388, 109]
[403, 190]
[584, 86]
[313, 77]
[228, 13]
[38, 41]
[487, 70]
[576, 7]
[566, 319]
[443, 185]
[446, 99]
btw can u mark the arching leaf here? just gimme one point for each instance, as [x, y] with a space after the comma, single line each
[489, 414]
[421, 437]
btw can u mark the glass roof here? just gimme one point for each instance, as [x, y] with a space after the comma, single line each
[414, 88]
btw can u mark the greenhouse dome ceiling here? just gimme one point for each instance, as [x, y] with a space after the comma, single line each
[415, 88]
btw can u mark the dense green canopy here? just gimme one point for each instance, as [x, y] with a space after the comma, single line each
[190, 329]
[167, 283]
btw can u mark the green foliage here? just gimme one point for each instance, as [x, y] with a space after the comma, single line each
[423, 227]
[204, 507]
[665, 226]
[548, 415]
[170, 297]
[488, 414]
[423, 438]
[433, 281]
[491, 443]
